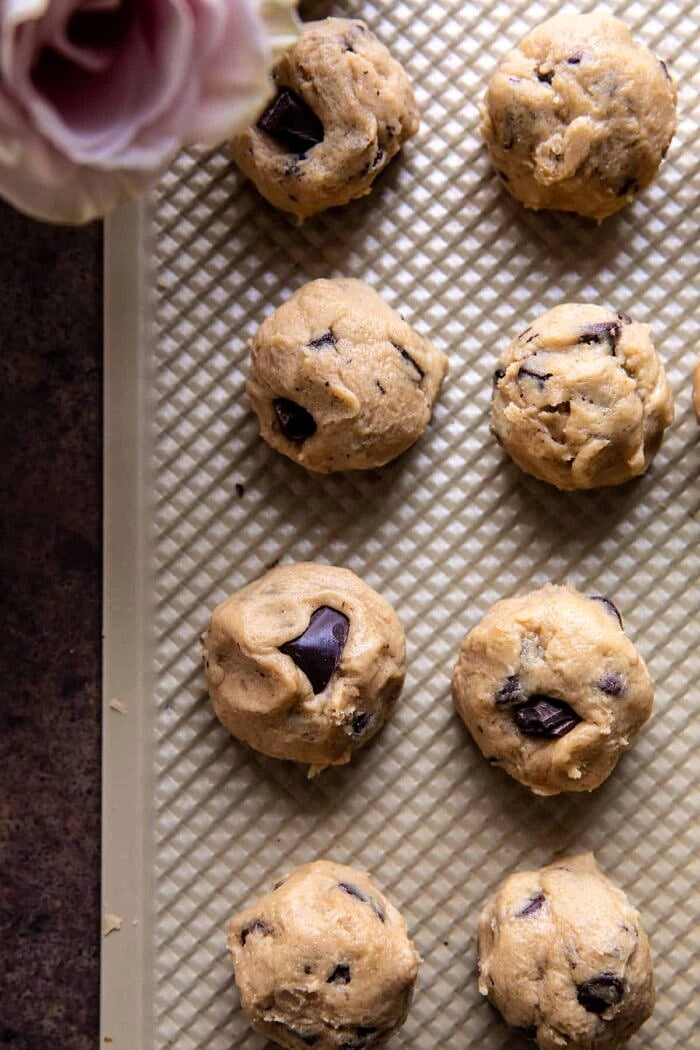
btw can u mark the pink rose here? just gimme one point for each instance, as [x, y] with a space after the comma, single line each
[97, 95]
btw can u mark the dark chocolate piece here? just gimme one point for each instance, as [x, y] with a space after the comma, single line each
[340, 975]
[612, 684]
[604, 331]
[545, 78]
[294, 421]
[609, 605]
[540, 377]
[318, 650]
[665, 69]
[511, 692]
[327, 339]
[407, 357]
[600, 993]
[291, 122]
[534, 905]
[353, 891]
[258, 926]
[544, 716]
[360, 722]
[574, 59]
[499, 374]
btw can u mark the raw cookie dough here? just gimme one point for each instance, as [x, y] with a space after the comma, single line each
[324, 960]
[344, 107]
[551, 689]
[581, 399]
[579, 117]
[563, 956]
[304, 663]
[339, 381]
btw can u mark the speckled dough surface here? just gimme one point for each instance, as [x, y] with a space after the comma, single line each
[324, 960]
[344, 108]
[304, 663]
[579, 117]
[551, 689]
[581, 399]
[339, 381]
[563, 956]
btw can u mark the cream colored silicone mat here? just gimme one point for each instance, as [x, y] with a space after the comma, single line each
[197, 505]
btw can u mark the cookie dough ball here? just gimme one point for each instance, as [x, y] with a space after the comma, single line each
[324, 960]
[581, 399]
[344, 107]
[339, 381]
[563, 956]
[578, 117]
[551, 689]
[304, 663]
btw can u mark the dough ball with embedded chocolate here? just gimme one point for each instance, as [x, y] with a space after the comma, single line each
[339, 381]
[551, 689]
[578, 117]
[343, 109]
[581, 399]
[563, 956]
[324, 960]
[304, 663]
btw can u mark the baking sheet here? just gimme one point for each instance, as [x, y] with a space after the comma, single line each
[195, 825]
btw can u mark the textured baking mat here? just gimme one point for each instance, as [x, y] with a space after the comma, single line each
[197, 505]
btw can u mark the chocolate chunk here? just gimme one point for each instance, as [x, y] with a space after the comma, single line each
[600, 993]
[625, 318]
[544, 716]
[628, 186]
[340, 975]
[352, 890]
[294, 421]
[545, 78]
[534, 905]
[407, 357]
[574, 59]
[612, 683]
[360, 722]
[609, 606]
[605, 331]
[258, 926]
[327, 339]
[318, 650]
[308, 968]
[540, 377]
[499, 374]
[291, 122]
[511, 692]
[380, 388]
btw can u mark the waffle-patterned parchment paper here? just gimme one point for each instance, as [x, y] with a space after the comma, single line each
[197, 505]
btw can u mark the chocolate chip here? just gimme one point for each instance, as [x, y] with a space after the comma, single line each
[609, 606]
[545, 716]
[308, 968]
[378, 157]
[340, 975]
[628, 186]
[407, 357]
[540, 377]
[612, 684]
[499, 374]
[294, 421]
[600, 993]
[257, 926]
[511, 692]
[575, 58]
[317, 651]
[360, 722]
[380, 388]
[604, 331]
[534, 905]
[545, 78]
[291, 122]
[665, 69]
[352, 890]
[327, 339]
[625, 318]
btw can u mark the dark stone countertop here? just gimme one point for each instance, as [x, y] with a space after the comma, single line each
[50, 627]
